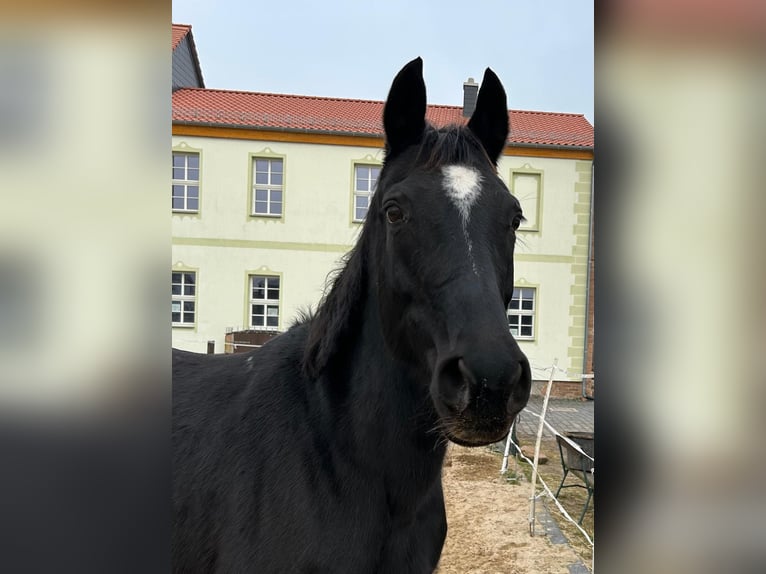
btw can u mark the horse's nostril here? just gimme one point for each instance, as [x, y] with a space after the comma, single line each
[465, 373]
[454, 380]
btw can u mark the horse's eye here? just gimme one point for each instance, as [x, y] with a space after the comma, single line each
[516, 222]
[394, 214]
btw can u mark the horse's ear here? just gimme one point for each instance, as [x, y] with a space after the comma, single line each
[404, 115]
[489, 121]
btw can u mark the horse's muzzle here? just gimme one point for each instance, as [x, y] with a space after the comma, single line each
[478, 397]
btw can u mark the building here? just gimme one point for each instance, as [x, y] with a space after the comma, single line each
[269, 192]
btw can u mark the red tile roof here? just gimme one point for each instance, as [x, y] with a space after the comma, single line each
[356, 117]
[179, 31]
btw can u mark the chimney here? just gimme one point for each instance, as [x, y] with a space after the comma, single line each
[470, 92]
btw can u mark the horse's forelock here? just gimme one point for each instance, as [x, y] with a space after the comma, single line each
[451, 145]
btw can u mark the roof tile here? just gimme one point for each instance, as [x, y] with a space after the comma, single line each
[179, 31]
[355, 117]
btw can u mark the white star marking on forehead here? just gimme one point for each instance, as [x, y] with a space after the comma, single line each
[463, 185]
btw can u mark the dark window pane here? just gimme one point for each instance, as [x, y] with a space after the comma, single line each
[526, 331]
[261, 207]
[276, 195]
[176, 289]
[188, 317]
[274, 294]
[175, 277]
[261, 178]
[527, 305]
[192, 191]
[514, 304]
[188, 306]
[276, 208]
[261, 195]
[193, 161]
[259, 282]
[526, 319]
[259, 293]
[193, 174]
[276, 165]
[179, 173]
[360, 213]
[189, 277]
[362, 201]
[178, 203]
[361, 185]
[272, 321]
[257, 321]
[176, 317]
[261, 165]
[527, 293]
[179, 160]
[516, 294]
[258, 309]
[374, 172]
[178, 191]
[362, 172]
[189, 290]
[276, 179]
[513, 320]
[274, 282]
[193, 203]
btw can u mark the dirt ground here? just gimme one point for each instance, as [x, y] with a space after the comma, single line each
[488, 521]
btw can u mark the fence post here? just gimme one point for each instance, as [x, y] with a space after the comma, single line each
[211, 347]
[537, 449]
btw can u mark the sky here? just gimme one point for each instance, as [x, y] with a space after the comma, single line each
[541, 50]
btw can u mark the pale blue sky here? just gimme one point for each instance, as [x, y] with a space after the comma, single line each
[541, 50]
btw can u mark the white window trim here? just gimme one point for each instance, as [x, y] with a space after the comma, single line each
[182, 298]
[186, 183]
[266, 302]
[372, 184]
[267, 187]
[524, 312]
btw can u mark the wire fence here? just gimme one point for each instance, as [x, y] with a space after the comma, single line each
[545, 489]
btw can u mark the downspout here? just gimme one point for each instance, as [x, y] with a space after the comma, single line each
[588, 283]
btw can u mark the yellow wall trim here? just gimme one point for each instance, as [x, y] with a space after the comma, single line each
[348, 140]
[255, 244]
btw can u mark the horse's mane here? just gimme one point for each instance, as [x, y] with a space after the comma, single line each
[340, 309]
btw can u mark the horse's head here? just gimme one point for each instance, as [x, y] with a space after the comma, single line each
[442, 226]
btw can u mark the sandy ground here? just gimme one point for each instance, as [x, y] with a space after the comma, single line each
[489, 522]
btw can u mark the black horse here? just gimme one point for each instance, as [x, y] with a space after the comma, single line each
[322, 451]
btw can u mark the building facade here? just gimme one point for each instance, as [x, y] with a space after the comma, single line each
[270, 191]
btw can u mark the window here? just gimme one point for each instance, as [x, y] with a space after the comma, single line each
[268, 186]
[365, 179]
[264, 302]
[527, 185]
[185, 182]
[184, 289]
[521, 313]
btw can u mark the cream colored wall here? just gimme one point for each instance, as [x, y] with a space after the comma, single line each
[222, 292]
[551, 260]
[317, 192]
[223, 242]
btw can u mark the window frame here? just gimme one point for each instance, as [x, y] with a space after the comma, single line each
[186, 183]
[533, 223]
[520, 312]
[356, 193]
[183, 298]
[266, 302]
[269, 187]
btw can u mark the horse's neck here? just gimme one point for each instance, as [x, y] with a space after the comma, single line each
[397, 408]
